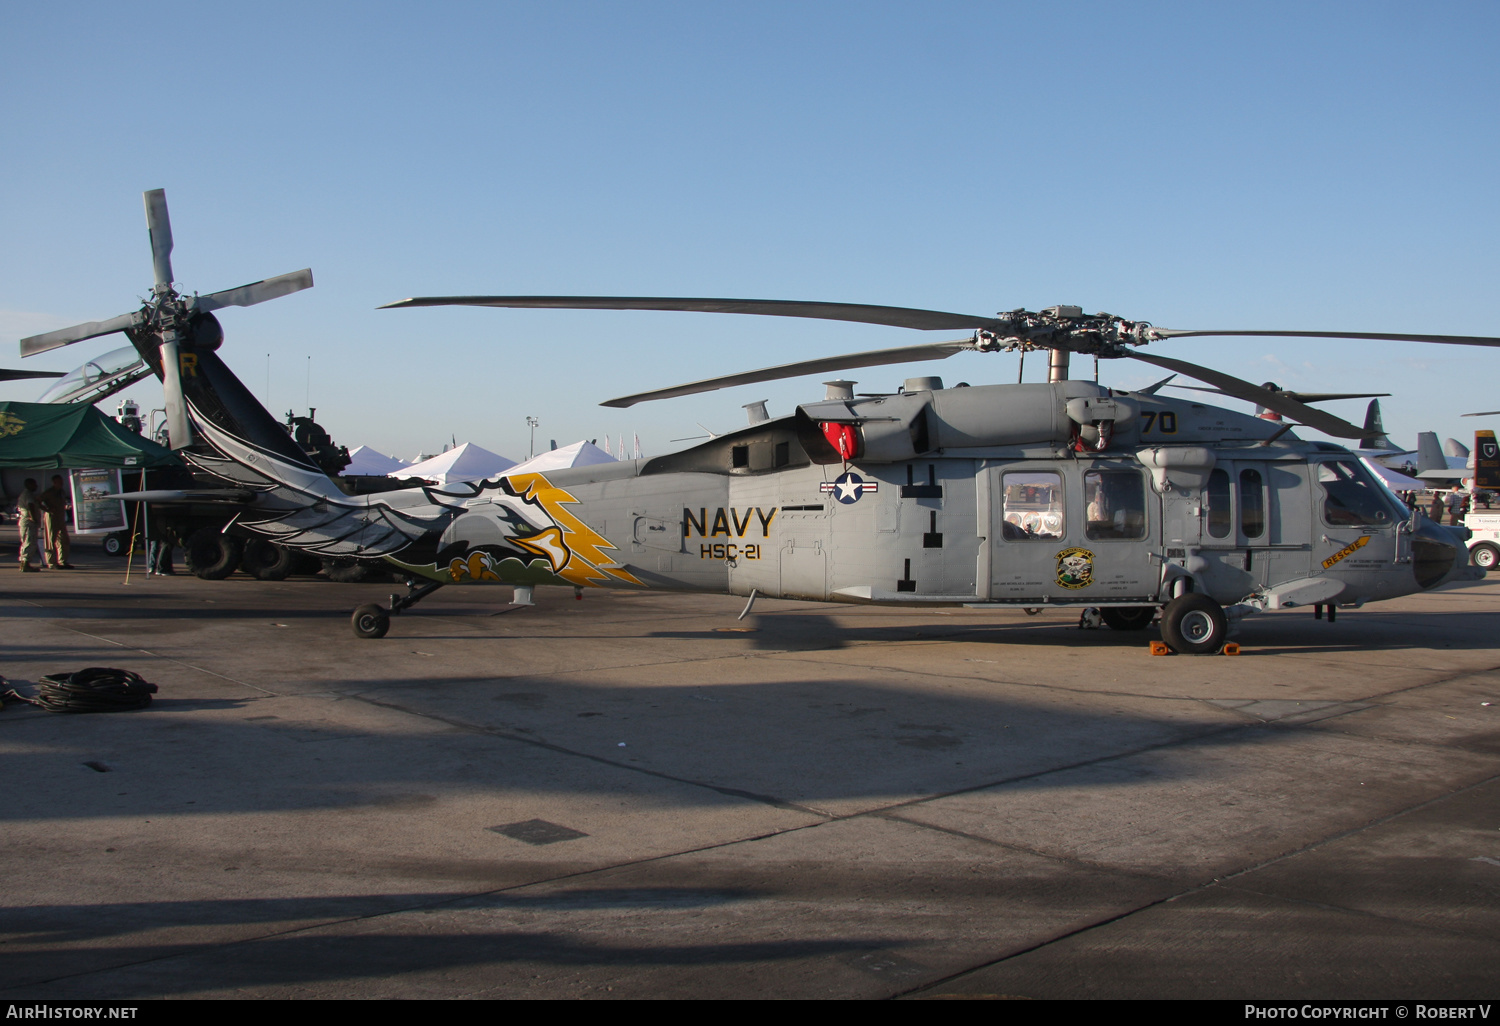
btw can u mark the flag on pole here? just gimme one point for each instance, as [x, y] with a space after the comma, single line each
[637, 447]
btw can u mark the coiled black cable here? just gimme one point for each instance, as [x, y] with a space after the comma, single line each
[96, 689]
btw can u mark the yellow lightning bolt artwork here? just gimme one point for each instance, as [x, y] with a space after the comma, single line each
[582, 540]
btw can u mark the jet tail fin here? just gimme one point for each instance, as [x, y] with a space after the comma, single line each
[1432, 465]
[1486, 461]
[1375, 436]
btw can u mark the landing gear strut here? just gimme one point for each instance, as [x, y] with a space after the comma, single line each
[373, 620]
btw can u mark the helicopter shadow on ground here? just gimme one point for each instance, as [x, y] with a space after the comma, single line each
[1374, 630]
[818, 630]
[299, 960]
[1278, 634]
[70, 923]
[523, 929]
[783, 741]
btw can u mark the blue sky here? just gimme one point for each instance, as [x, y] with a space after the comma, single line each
[1319, 166]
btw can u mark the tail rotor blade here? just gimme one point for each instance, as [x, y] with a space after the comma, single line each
[258, 292]
[160, 226]
[77, 333]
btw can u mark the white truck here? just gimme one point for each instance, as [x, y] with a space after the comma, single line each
[1484, 543]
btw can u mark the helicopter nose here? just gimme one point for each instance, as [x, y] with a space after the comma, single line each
[1439, 555]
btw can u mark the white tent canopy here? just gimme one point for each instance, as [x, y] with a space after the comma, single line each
[467, 462]
[365, 460]
[579, 454]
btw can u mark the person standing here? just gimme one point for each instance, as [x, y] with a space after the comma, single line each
[55, 505]
[1435, 510]
[159, 551]
[28, 515]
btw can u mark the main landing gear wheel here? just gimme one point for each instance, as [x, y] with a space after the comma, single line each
[265, 561]
[371, 621]
[1128, 618]
[1194, 624]
[1485, 556]
[212, 554]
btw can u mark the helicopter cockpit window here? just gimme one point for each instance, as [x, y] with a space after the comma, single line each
[1033, 506]
[1116, 504]
[1220, 513]
[1352, 499]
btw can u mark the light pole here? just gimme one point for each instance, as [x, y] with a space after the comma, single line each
[532, 423]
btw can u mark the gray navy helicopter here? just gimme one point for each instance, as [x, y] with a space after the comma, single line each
[1065, 493]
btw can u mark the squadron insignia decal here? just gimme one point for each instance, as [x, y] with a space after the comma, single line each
[1075, 568]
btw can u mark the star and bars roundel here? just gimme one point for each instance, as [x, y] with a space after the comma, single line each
[849, 486]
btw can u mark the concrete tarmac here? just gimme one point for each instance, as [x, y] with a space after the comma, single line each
[636, 795]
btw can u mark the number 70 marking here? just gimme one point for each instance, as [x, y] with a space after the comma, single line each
[1165, 421]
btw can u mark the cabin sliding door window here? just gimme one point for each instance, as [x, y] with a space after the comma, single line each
[1252, 504]
[1220, 513]
[1033, 506]
[1116, 504]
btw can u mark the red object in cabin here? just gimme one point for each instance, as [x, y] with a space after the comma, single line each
[843, 438]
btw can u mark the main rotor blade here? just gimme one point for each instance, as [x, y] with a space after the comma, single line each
[160, 226]
[77, 333]
[1302, 397]
[1380, 336]
[17, 375]
[895, 316]
[874, 358]
[257, 292]
[179, 430]
[1482, 413]
[1263, 397]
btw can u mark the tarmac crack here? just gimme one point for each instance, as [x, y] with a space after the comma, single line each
[1224, 882]
[507, 735]
[169, 659]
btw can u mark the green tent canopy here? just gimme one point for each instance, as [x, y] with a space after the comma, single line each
[43, 436]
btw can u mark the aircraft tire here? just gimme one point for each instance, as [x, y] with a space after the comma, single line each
[1194, 624]
[1127, 618]
[1485, 556]
[344, 570]
[371, 621]
[266, 561]
[211, 554]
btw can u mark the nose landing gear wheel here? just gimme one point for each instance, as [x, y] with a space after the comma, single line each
[1194, 624]
[371, 621]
